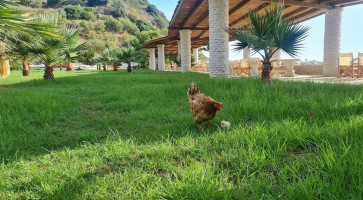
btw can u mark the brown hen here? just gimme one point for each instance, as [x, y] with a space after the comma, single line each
[203, 108]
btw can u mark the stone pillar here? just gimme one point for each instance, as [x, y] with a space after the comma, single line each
[152, 64]
[332, 36]
[179, 50]
[185, 50]
[218, 38]
[196, 55]
[246, 53]
[161, 57]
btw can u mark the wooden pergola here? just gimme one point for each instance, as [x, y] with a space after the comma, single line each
[194, 15]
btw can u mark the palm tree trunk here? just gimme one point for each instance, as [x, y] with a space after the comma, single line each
[48, 72]
[25, 68]
[266, 72]
[129, 69]
[69, 67]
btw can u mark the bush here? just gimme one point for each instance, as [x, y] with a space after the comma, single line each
[119, 9]
[152, 10]
[94, 3]
[32, 3]
[133, 17]
[99, 25]
[161, 22]
[73, 12]
[144, 25]
[148, 35]
[113, 25]
[129, 26]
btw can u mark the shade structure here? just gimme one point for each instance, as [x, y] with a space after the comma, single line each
[194, 15]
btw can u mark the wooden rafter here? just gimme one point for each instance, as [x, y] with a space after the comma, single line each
[302, 4]
[240, 5]
[195, 9]
[246, 15]
[201, 19]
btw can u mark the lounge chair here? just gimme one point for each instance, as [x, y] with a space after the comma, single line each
[360, 65]
[345, 65]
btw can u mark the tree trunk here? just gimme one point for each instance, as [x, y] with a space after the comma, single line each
[114, 68]
[48, 72]
[129, 69]
[29, 66]
[69, 67]
[104, 67]
[266, 72]
[25, 69]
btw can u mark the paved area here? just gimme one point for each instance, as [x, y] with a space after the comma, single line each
[322, 79]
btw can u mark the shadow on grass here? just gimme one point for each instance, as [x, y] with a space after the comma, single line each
[40, 116]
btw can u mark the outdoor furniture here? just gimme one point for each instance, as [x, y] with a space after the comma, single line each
[360, 65]
[345, 65]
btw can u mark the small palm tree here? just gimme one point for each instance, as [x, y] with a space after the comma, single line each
[129, 55]
[268, 34]
[56, 50]
[18, 48]
[105, 58]
[72, 49]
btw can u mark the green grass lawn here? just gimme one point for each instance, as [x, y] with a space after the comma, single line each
[113, 135]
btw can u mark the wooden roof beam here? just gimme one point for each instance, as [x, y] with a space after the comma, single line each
[302, 4]
[201, 19]
[245, 16]
[195, 10]
[190, 28]
[240, 5]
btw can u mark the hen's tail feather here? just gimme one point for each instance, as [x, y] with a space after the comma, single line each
[193, 90]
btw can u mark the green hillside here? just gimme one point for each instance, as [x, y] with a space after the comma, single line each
[105, 23]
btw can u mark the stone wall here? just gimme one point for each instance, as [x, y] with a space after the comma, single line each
[308, 69]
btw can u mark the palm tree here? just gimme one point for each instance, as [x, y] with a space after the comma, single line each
[72, 48]
[18, 21]
[19, 27]
[104, 58]
[19, 49]
[268, 34]
[55, 50]
[129, 55]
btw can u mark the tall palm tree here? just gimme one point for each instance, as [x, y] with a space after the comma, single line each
[269, 33]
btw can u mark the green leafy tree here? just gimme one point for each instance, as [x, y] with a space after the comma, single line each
[266, 34]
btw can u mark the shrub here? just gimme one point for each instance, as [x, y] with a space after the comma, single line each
[113, 25]
[144, 25]
[129, 26]
[133, 17]
[94, 3]
[73, 12]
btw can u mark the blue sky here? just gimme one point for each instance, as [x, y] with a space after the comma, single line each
[352, 31]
